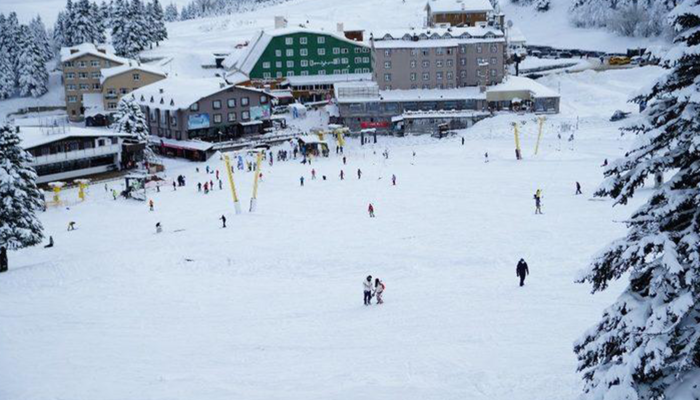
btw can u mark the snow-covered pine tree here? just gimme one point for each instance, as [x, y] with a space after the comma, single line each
[150, 24]
[84, 28]
[130, 119]
[11, 38]
[42, 38]
[99, 24]
[171, 13]
[33, 77]
[7, 76]
[118, 18]
[160, 33]
[647, 345]
[105, 14]
[58, 35]
[19, 225]
[542, 5]
[69, 15]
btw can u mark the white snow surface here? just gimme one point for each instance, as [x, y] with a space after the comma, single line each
[269, 308]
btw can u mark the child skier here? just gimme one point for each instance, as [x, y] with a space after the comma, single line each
[378, 290]
[371, 210]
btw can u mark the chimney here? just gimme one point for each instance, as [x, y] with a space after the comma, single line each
[280, 22]
[102, 50]
[222, 85]
[73, 51]
[340, 28]
[161, 90]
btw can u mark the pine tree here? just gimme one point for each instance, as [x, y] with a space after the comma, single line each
[160, 33]
[11, 40]
[129, 119]
[19, 225]
[105, 14]
[84, 28]
[647, 345]
[42, 38]
[67, 27]
[7, 76]
[171, 13]
[59, 35]
[99, 23]
[33, 77]
[130, 32]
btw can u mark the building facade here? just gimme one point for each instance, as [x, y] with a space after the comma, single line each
[206, 109]
[439, 58]
[82, 66]
[119, 81]
[287, 52]
[459, 13]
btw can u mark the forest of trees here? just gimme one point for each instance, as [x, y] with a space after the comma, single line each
[24, 52]
[626, 17]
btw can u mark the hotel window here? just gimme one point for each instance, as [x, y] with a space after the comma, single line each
[463, 49]
[72, 99]
[426, 76]
[216, 104]
[336, 50]
[83, 86]
[365, 50]
[438, 63]
[358, 60]
[123, 90]
[304, 63]
[303, 40]
[71, 87]
[278, 74]
[413, 76]
[290, 64]
[82, 75]
[321, 40]
[111, 106]
[70, 75]
[462, 61]
[414, 52]
[387, 53]
[344, 60]
[321, 52]
[450, 76]
[387, 64]
[173, 120]
[267, 75]
[231, 103]
[449, 51]
[493, 60]
[263, 99]
[278, 64]
[494, 48]
[304, 52]
[439, 51]
[95, 86]
[438, 76]
[289, 41]
[478, 48]
[344, 51]
[425, 52]
[426, 63]
[245, 101]
[322, 72]
[194, 107]
[387, 77]
[365, 60]
[82, 64]
[266, 65]
[232, 117]
[95, 63]
[357, 50]
[68, 64]
[413, 63]
[278, 53]
[304, 73]
[290, 52]
[245, 115]
[217, 118]
[463, 74]
[290, 73]
[449, 63]
[493, 72]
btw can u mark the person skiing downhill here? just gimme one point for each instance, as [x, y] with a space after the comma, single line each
[342, 175]
[538, 201]
[301, 181]
[150, 204]
[313, 174]
[378, 290]
[521, 271]
[578, 188]
[223, 221]
[370, 209]
[367, 286]
[359, 173]
[393, 180]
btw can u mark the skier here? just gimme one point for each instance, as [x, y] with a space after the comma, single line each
[359, 174]
[199, 186]
[521, 271]
[207, 169]
[71, 226]
[223, 220]
[462, 140]
[217, 174]
[342, 175]
[378, 290]
[605, 163]
[174, 186]
[367, 286]
[393, 179]
[301, 181]
[313, 174]
[345, 160]
[486, 157]
[50, 243]
[150, 204]
[578, 188]
[371, 210]
[538, 202]
[206, 187]
[114, 194]
[159, 228]
[221, 185]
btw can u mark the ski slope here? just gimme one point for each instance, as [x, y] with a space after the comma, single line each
[270, 307]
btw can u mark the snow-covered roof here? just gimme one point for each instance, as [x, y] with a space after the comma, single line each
[178, 93]
[520, 84]
[459, 6]
[515, 35]
[93, 104]
[308, 139]
[181, 144]
[130, 66]
[73, 52]
[366, 92]
[301, 80]
[244, 60]
[34, 136]
[435, 37]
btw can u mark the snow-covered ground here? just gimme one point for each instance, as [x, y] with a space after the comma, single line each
[270, 307]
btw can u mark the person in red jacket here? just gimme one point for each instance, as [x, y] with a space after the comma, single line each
[371, 210]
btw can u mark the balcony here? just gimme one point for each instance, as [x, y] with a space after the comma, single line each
[77, 154]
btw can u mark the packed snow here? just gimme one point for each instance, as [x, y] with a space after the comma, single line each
[270, 307]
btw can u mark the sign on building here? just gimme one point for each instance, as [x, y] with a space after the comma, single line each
[198, 121]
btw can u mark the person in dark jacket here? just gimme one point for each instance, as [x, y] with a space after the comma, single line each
[578, 188]
[522, 271]
[367, 286]
[223, 220]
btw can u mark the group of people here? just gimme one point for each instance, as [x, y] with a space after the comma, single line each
[373, 289]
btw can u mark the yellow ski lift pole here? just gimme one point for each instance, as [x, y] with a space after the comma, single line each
[539, 135]
[236, 204]
[517, 141]
[254, 199]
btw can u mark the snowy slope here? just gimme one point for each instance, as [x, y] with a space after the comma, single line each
[269, 308]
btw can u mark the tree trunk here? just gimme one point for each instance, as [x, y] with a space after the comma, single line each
[3, 259]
